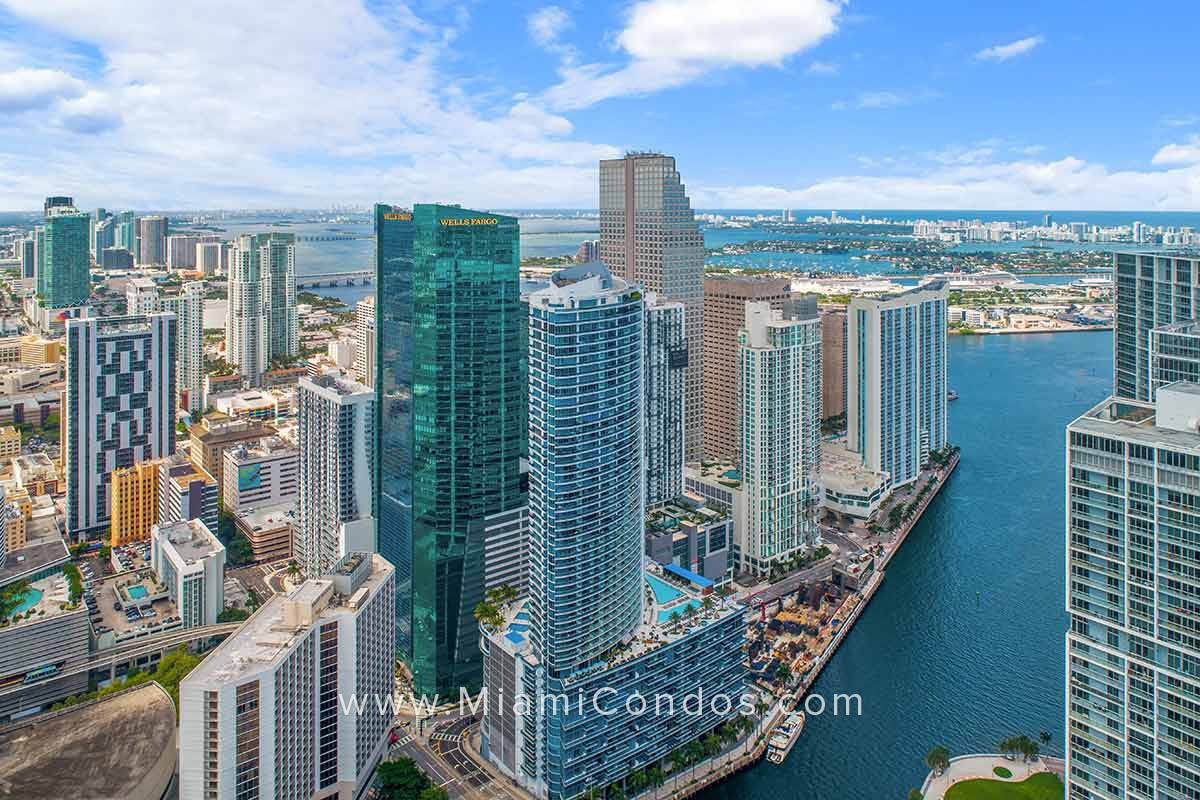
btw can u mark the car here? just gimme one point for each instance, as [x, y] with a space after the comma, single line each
[116, 606]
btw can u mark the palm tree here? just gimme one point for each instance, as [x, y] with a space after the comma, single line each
[1045, 737]
[760, 708]
[784, 674]
[709, 602]
[938, 759]
[1007, 747]
[915, 794]
[655, 775]
[636, 782]
[712, 745]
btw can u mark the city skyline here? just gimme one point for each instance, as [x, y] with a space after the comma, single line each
[574, 84]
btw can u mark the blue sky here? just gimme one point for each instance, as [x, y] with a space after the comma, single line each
[765, 104]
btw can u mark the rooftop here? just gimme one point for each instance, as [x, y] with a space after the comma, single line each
[270, 633]
[32, 558]
[129, 738]
[268, 517]
[190, 539]
[842, 469]
[263, 448]
[182, 470]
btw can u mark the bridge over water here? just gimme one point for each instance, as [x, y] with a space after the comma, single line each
[361, 277]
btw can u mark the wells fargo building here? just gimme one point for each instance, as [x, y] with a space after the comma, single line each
[451, 433]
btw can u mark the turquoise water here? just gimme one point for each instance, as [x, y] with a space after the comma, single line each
[663, 591]
[137, 592]
[29, 600]
[665, 616]
[963, 643]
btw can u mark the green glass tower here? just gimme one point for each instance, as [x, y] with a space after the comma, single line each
[63, 277]
[451, 428]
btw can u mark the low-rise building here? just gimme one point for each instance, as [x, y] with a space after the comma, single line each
[15, 512]
[265, 473]
[37, 474]
[190, 561]
[216, 432]
[847, 486]
[22, 379]
[691, 535]
[720, 486]
[129, 738]
[269, 531]
[37, 350]
[10, 443]
[254, 404]
[331, 636]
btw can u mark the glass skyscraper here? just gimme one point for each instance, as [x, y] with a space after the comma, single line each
[1152, 289]
[451, 435]
[64, 252]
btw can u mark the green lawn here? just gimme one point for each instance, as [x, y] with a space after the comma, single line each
[1002, 772]
[1042, 786]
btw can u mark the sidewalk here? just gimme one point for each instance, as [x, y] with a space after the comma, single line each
[965, 768]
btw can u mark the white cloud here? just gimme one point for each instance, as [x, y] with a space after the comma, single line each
[822, 68]
[1067, 183]
[1003, 52]
[328, 102]
[27, 89]
[1186, 153]
[884, 99]
[547, 24]
[674, 42]
[1182, 121]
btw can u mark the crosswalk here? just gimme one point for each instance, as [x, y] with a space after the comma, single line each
[444, 737]
[403, 740]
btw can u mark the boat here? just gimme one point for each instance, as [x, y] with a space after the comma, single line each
[783, 737]
[951, 395]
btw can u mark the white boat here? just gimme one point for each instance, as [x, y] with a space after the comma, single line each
[782, 739]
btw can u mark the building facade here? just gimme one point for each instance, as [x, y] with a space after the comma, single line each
[896, 371]
[188, 306]
[134, 503]
[190, 561]
[186, 491]
[261, 323]
[151, 241]
[724, 317]
[780, 357]
[649, 236]
[266, 473]
[120, 397]
[665, 364]
[1133, 657]
[595, 624]
[1151, 290]
[64, 256]
[364, 341]
[833, 363]
[452, 397]
[336, 499]
[210, 437]
[260, 716]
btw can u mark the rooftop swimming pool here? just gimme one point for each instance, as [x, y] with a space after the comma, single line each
[665, 616]
[29, 600]
[136, 592]
[663, 592]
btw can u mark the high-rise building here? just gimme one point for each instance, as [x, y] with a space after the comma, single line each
[152, 241]
[665, 363]
[141, 296]
[896, 380]
[261, 323]
[120, 407]
[188, 306]
[116, 258]
[1133, 660]
[780, 358]
[104, 235]
[64, 255]
[28, 248]
[181, 250]
[452, 398]
[724, 316]
[588, 251]
[134, 503]
[364, 341]
[649, 236]
[186, 491]
[261, 717]
[589, 627]
[190, 561]
[1152, 289]
[209, 438]
[336, 419]
[833, 363]
[212, 258]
